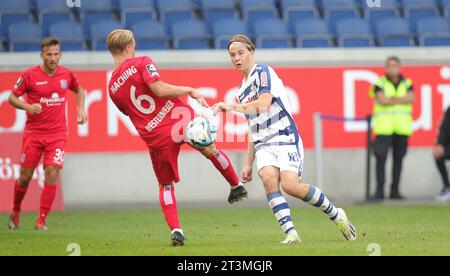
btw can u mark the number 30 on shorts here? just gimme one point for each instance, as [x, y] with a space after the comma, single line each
[59, 156]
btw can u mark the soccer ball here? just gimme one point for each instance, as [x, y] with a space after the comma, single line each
[200, 133]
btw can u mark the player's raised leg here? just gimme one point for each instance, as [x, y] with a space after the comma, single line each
[270, 177]
[223, 164]
[47, 196]
[20, 189]
[312, 195]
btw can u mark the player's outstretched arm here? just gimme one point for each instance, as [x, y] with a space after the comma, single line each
[82, 115]
[262, 104]
[33, 109]
[169, 91]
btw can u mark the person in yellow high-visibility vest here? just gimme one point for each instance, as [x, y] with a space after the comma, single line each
[393, 96]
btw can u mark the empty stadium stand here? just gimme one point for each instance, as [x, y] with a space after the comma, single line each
[208, 24]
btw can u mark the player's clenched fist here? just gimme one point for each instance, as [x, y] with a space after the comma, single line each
[82, 117]
[246, 174]
[34, 109]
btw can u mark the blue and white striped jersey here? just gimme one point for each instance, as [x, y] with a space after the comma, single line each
[276, 126]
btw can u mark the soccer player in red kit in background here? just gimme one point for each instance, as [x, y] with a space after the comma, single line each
[45, 88]
[154, 108]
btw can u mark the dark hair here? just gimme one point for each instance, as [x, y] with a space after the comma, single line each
[244, 40]
[393, 58]
[50, 41]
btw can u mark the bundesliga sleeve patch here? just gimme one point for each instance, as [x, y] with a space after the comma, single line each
[152, 70]
[18, 83]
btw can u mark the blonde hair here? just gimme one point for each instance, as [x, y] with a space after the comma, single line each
[244, 40]
[118, 40]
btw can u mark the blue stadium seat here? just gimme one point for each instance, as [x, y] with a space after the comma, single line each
[190, 34]
[416, 13]
[445, 6]
[171, 11]
[394, 32]
[272, 33]
[70, 34]
[257, 3]
[94, 11]
[43, 5]
[333, 14]
[417, 3]
[374, 15]
[13, 12]
[312, 32]
[325, 4]
[136, 10]
[150, 35]
[257, 10]
[213, 10]
[15, 5]
[354, 32]
[433, 31]
[223, 30]
[444, 3]
[24, 37]
[384, 4]
[51, 11]
[296, 10]
[99, 32]
[285, 4]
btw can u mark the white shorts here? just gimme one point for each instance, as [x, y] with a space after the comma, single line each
[286, 158]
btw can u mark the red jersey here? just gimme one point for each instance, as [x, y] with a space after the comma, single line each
[151, 115]
[50, 92]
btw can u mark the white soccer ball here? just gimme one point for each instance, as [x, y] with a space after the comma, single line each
[200, 133]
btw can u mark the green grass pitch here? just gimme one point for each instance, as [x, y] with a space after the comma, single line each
[399, 230]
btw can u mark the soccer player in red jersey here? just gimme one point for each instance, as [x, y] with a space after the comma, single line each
[160, 118]
[45, 88]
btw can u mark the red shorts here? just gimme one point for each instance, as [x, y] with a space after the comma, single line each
[50, 146]
[164, 149]
[165, 162]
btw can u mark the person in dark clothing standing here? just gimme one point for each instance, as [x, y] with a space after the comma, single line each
[392, 119]
[441, 153]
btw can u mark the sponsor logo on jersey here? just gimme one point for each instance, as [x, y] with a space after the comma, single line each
[55, 100]
[41, 83]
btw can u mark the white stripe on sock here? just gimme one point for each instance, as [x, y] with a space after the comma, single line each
[287, 225]
[276, 201]
[168, 200]
[282, 213]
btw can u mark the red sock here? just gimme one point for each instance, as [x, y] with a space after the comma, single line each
[169, 206]
[223, 164]
[47, 198]
[19, 194]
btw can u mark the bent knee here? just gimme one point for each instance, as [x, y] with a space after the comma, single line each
[209, 150]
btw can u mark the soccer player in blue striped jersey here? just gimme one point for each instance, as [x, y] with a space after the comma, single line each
[274, 141]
